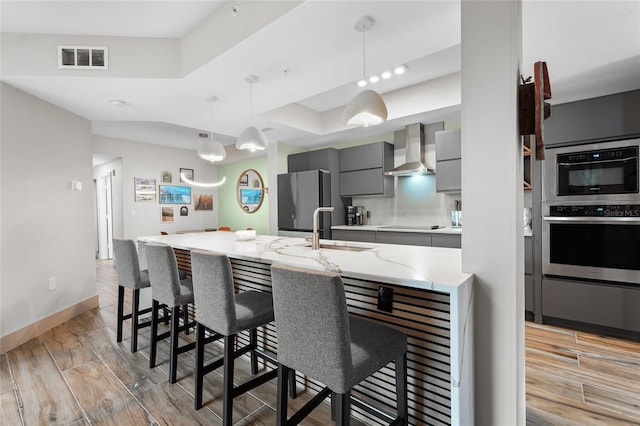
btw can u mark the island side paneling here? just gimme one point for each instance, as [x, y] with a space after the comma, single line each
[422, 314]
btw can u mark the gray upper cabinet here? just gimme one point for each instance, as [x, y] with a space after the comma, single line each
[322, 159]
[362, 170]
[449, 161]
[596, 119]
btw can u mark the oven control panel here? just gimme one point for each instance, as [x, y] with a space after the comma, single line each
[604, 210]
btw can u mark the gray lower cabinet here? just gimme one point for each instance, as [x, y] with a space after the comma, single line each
[446, 240]
[349, 235]
[528, 274]
[408, 238]
[599, 304]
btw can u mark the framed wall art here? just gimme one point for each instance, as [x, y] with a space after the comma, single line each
[144, 189]
[167, 177]
[168, 214]
[188, 173]
[173, 194]
[203, 202]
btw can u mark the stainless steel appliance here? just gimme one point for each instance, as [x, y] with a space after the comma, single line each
[591, 212]
[605, 172]
[299, 194]
[361, 215]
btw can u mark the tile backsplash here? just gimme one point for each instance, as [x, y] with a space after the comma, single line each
[416, 202]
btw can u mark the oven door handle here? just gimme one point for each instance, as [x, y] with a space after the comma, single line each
[607, 220]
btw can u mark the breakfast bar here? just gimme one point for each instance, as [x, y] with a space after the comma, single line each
[425, 295]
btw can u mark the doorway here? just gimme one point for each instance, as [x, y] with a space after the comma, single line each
[104, 217]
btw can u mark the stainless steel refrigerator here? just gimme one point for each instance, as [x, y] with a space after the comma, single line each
[299, 194]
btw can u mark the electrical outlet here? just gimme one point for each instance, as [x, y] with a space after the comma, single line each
[385, 299]
[52, 283]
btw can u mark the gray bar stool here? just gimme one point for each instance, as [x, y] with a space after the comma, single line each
[317, 337]
[168, 289]
[127, 265]
[220, 310]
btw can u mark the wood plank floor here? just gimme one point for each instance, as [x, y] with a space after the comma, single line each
[76, 374]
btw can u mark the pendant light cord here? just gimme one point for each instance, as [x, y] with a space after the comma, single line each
[364, 56]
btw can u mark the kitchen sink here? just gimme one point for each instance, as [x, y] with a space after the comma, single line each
[344, 248]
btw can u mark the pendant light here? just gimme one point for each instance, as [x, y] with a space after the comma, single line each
[209, 148]
[366, 108]
[252, 139]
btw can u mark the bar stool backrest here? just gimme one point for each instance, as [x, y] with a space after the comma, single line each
[312, 324]
[163, 274]
[126, 262]
[213, 291]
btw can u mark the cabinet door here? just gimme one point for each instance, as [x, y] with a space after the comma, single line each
[307, 198]
[361, 182]
[446, 240]
[528, 293]
[319, 159]
[348, 235]
[599, 304]
[406, 238]
[528, 255]
[448, 145]
[361, 157]
[287, 201]
[449, 176]
[297, 162]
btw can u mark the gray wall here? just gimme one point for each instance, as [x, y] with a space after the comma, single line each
[46, 228]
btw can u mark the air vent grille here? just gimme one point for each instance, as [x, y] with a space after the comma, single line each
[83, 57]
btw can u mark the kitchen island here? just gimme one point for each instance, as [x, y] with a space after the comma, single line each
[432, 304]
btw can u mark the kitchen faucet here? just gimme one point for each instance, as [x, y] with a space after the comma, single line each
[315, 237]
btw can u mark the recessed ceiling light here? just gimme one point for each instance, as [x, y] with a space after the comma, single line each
[374, 79]
[118, 102]
[400, 70]
[386, 75]
[362, 83]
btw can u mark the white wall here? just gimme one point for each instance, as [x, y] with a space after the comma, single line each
[46, 228]
[493, 237]
[149, 161]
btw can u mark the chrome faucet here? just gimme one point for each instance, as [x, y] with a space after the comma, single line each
[315, 237]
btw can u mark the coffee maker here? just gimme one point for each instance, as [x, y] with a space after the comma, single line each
[356, 215]
[351, 215]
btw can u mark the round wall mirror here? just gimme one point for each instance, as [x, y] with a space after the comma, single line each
[250, 190]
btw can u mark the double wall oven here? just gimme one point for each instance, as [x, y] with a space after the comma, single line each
[591, 212]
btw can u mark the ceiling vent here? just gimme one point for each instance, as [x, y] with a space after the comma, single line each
[83, 57]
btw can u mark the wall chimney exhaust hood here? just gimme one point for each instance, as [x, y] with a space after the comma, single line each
[415, 149]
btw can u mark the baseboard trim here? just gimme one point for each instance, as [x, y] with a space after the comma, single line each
[15, 339]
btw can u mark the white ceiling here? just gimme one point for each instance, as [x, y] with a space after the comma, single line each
[592, 48]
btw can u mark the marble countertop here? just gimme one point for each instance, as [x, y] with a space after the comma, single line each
[430, 268]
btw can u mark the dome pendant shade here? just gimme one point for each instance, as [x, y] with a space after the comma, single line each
[210, 149]
[252, 139]
[366, 109]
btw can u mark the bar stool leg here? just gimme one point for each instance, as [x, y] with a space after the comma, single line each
[173, 350]
[199, 365]
[401, 388]
[253, 340]
[185, 318]
[343, 408]
[281, 404]
[135, 302]
[227, 410]
[154, 333]
[120, 313]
